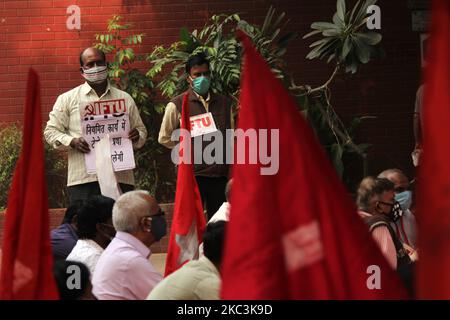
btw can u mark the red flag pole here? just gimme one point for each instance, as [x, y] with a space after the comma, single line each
[293, 233]
[433, 281]
[27, 262]
[188, 219]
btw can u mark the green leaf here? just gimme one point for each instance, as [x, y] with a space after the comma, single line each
[362, 14]
[311, 33]
[323, 26]
[278, 21]
[184, 35]
[120, 56]
[362, 50]
[351, 66]
[337, 21]
[331, 57]
[341, 9]
[267, 19]
[346, 47]
[319, 42]
[331, 33]
[350, 20]
[160, 108]
[370, 38]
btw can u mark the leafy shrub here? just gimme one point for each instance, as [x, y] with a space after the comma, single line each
[55, 162]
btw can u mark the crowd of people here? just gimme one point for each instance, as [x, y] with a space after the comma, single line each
[108, 240]
[385, 204]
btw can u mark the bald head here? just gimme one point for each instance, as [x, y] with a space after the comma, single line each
[397, 176]
[91, 56]
[131, 207]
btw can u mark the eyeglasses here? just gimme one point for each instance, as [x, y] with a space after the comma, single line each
[159, 213]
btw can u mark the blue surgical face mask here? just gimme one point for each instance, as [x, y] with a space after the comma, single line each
[405, 199]
[201, 85]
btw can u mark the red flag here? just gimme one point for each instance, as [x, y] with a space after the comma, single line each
[27, 262]
[433, 193]
[188, 222]
[294, 234]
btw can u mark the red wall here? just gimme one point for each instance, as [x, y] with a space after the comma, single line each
[33, 33]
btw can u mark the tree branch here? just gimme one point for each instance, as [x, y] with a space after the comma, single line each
[324, 86]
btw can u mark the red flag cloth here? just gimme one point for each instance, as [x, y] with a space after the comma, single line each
[294, 234]
[188, 222]
[433, 189]
[27, 262]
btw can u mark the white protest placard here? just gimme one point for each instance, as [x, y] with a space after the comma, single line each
[107, 180]
[101, 118]
[202, 124]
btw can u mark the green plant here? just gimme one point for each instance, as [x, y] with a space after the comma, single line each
[338, 144]
[10, 139]
[123, 73]
[121, 70]
[348, 43]
[346, 40]
[55, 162]
[218, 40]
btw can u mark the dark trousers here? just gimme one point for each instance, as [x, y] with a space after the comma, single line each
[83, 191]
[212, 191]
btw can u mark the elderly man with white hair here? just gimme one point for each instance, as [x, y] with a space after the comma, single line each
[123, 271]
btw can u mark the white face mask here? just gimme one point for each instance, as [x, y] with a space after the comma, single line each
[96, 74]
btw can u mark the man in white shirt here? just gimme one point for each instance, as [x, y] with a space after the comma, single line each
[63, 129]
[95, 231]
[123, 271]
[223, 214]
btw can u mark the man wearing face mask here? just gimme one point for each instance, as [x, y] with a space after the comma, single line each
[405, 227]
[378, 209]
[63, 129]
[124, 272]
[94, 229]
[211, 178]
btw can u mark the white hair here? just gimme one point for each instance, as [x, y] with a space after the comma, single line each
[386, 173]
[130, 208]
